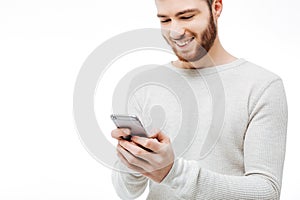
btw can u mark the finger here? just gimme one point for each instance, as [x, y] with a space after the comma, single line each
[128, 165]
[148, 143]
[119, 133]
[131, 161]
[161, 137]
[135, 150]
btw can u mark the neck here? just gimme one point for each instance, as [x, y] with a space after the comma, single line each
[217, 55]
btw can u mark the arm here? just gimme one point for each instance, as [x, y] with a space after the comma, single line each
[264, 152]
[127, 183]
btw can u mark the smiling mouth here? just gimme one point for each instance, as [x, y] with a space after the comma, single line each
[181, 43]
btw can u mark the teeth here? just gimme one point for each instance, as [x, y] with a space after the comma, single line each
[181, 44]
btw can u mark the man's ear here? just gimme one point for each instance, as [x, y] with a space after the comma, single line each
[217, 7]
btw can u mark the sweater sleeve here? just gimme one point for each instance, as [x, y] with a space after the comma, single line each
[264, 152]
[128, 185]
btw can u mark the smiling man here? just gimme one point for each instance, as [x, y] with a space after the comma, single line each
[245, 160]
[190, 27]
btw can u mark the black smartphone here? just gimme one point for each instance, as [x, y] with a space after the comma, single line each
[131, 122]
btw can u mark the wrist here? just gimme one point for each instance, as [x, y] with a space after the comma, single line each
[166, 171]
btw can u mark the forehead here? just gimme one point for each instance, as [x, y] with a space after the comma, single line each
[171, 7]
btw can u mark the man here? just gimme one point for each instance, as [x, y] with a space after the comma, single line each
[246, 160]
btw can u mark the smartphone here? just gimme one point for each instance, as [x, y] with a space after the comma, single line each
[131, 122]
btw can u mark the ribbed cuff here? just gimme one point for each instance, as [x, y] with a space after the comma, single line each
[172, 177]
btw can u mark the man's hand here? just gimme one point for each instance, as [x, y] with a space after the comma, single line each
[120, 133]
[153, 157]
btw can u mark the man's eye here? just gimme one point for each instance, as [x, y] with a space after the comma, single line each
[187, 17]
[165, 21]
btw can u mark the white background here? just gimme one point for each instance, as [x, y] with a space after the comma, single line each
[42, 47]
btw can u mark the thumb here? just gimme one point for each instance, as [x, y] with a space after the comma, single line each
[160, 136]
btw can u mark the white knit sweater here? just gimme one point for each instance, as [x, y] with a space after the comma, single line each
[238, 154]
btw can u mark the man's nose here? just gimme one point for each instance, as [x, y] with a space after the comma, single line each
[176, 31]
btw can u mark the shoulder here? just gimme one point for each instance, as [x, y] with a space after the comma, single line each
[248, 75]
[250, 82]
[256, 73]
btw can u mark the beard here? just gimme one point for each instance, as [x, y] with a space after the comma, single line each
[208, 37]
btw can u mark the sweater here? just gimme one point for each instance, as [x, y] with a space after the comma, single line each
[229, 143]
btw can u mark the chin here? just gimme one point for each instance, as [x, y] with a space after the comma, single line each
[191, 58]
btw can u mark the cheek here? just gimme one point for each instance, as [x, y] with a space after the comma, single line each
[198, 25]
[165, 33]
[200, 28]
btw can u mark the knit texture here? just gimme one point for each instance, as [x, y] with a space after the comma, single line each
[242, 160]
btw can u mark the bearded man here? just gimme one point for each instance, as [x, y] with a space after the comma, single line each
[244, 158]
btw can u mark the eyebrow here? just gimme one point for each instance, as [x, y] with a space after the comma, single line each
[180, 13]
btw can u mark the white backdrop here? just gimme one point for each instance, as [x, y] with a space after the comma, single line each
[42, 47]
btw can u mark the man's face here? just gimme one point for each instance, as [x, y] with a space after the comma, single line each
[188, 27]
